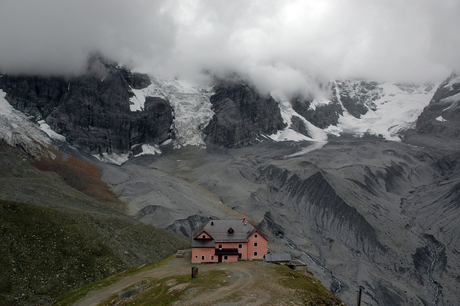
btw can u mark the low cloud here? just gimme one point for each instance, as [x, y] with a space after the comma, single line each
[279, 44]
[56, 37]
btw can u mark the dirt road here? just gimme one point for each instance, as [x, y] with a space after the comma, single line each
[244, 279]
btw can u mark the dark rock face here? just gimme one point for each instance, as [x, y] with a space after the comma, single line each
[299, 126]
[442, 116]
[241, 116]
[322, 116]
[358, 96]
[92, 111]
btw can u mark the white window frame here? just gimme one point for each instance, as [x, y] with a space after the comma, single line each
[225, 257]
[220, 246]
[255, 244]
[202, 257]
[212, 257]
[255, 253]
[256, 236]
[240, 246]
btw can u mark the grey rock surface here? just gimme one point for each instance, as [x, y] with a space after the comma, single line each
[367, 212]
[93, 111]
[241, 116]
[321, 116]
[442, 116]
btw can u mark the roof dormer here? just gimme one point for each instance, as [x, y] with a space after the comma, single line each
[230, 231]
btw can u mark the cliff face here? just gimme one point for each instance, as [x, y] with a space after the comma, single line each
[92, 111]
[241, 116]
[442, 116]
[354, 97]
[321, 116]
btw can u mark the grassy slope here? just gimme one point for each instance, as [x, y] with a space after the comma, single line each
[62, 238]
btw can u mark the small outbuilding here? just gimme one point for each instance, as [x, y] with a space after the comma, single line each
[278, 257]
[286, 259]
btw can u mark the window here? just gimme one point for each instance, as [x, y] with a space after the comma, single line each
[255, 244]
[240, 246]
[220, 246]
[225, 257]
[212, 257]
[202, 257]
[204, 236]
[255, 236]
[255, 253]
[196, 256]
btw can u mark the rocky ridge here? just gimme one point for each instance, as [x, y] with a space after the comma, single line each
[92, 111]
[241, 116]
[364, 212]
[442, 116]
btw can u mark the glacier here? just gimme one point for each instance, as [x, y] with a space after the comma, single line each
[18, 130]
[191, 105]
[396, 110]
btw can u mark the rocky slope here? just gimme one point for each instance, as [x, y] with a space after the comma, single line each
[241, 116]
[360, 211]
[442, 116]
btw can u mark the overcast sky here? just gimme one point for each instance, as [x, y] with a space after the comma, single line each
[278, 44]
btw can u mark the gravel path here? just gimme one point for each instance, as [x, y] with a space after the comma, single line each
[242, 280]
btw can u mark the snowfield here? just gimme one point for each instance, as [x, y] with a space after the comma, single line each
[396, 110]
[319, 137]
[18, 130]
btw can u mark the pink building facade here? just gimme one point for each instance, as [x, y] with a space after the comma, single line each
[227, 241]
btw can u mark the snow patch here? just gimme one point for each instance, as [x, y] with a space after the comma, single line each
[440, 118]
[52, 134]
[138, 100]
[319, 137]
[17, 130]
[453, 98]
[167, 142]
[149, 150]
[117, 159]
[318, 101]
